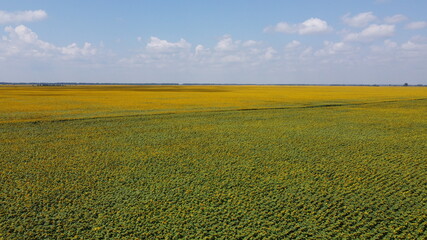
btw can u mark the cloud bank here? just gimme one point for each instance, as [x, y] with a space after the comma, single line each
[21, 41]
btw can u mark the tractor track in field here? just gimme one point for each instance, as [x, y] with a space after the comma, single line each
[210, 111]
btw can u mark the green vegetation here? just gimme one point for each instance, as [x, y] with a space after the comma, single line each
[356, 171]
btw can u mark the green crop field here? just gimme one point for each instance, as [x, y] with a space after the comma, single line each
[331, 171]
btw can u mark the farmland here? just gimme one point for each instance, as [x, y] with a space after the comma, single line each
[213, 162]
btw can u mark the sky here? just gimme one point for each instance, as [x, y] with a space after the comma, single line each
[217, 41]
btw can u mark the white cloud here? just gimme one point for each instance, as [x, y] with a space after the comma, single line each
[371, 33]
[310, 26]
[313, 25]
[23, 16]
[360, 20]
[74, 50]
[416, 25]
[23, 41]
[395, 19]
[282, 27]
[226, 53]
[226, 44]
[159, 45]
[270, 53]
[250, 43]
[414, 50]
[22, 33]
[249, 52]
[199, 49]
[413, 46]
[332, 48]
[292, 45]
[160, 53]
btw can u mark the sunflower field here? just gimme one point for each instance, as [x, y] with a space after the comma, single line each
[213, 162]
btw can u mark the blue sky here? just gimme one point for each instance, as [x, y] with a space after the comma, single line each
[287, 42]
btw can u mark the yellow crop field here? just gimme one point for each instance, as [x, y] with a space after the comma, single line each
[31, 103]
[213, 162]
